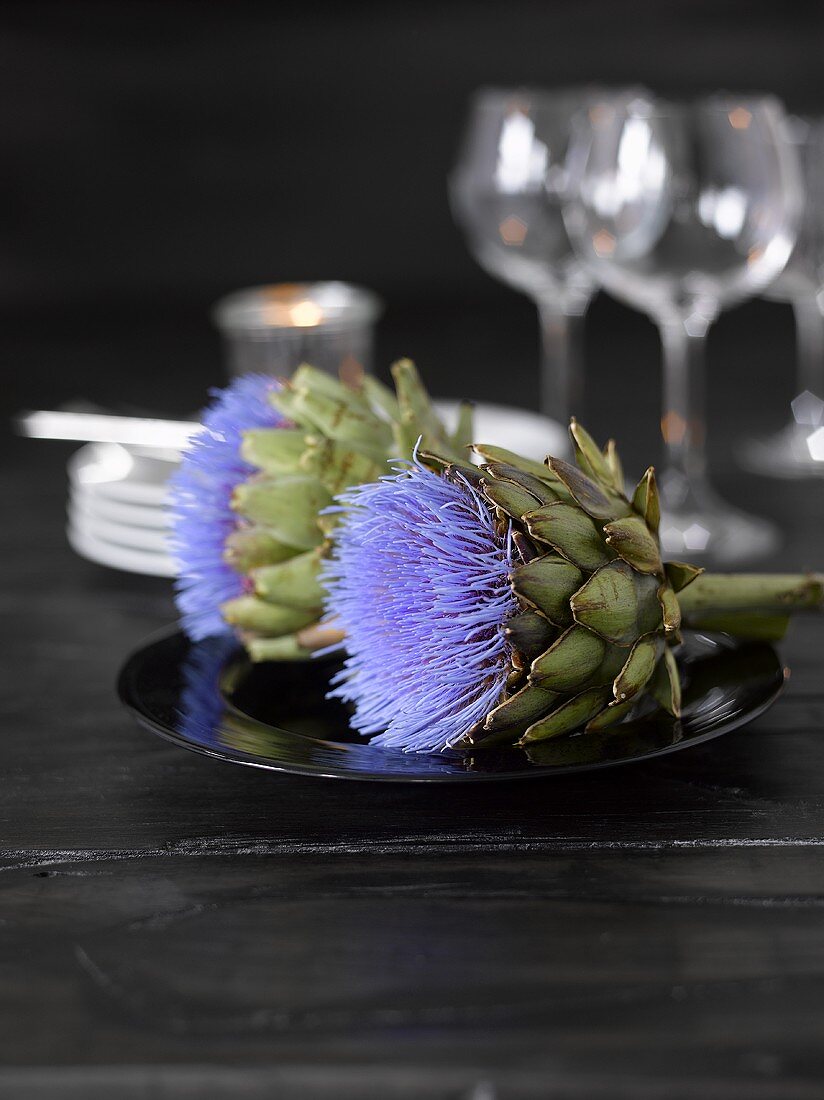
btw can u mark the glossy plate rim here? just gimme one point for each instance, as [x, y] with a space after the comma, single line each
[130, 698]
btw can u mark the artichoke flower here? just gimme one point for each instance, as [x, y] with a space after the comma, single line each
[517, 602]
[247, 505]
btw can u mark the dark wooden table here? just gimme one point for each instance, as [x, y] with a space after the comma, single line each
[171, 926]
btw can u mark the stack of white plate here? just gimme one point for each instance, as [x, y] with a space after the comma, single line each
[116, 507]
[117, 493]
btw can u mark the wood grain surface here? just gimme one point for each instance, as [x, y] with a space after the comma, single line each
[177, 927]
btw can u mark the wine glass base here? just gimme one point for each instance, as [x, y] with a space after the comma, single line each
[788, 453]
[719, 535]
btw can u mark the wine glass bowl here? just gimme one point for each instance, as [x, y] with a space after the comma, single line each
[795, 450]
[681, 210]
[508, 186]
[507, 190]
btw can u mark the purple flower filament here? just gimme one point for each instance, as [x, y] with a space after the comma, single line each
[200, 502]
[419, 581]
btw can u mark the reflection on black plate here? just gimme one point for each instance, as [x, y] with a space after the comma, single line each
[208, 697]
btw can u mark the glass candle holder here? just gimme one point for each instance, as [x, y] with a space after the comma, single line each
[273, 329]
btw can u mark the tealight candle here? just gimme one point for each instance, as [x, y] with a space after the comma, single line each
[273, 329]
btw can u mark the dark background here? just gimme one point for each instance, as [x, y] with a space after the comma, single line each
[156, 155]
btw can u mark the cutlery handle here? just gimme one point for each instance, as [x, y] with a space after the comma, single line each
[105, 428]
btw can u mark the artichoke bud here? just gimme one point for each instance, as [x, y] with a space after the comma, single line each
[599, 609]
[310, 379]
[679, 574]
[592, 460]
[416, 409]
[543, 473]
[339, 436]
[461, 438]
[636, 673]
[647, 503]
[600, 501]
[618, 604]
[338, 465]
[611, 714]
[260, 616]
[512, 499]
[570, 662]
[571, 532]
[286, 506]
[665, 684]
[274, 450]
[530, 633]
[518, 711]
[284, 647]
[614, 463]
[291, 583]
[539, 489]
[635, 543]
[295, 646]
[342, 421]
[249, 547]
[574, 712]
[670, 609]
[547, 583]
[382, 398]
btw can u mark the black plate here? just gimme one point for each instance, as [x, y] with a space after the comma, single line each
[208, 697]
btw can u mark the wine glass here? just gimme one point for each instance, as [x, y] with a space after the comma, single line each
[682, 209]
[797, 450]
[506, 192]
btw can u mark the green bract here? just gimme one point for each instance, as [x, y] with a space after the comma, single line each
[340, 436]
[600, 612]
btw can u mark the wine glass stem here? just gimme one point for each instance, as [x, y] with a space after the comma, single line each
[809, 327]
[561, 389]
[683, 425]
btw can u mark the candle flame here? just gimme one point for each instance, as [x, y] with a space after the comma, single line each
[305, 314]
[603, 243]
[673, 428]
[513, 231]
[740, 118]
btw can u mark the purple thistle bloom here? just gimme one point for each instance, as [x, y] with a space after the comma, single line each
[202, 705]
[420, 584]
[200, 496]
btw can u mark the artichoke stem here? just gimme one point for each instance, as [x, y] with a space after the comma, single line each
[712, 593]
